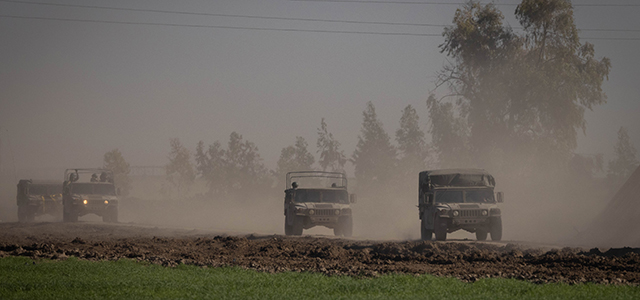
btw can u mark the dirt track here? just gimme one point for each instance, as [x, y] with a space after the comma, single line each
[466, 260]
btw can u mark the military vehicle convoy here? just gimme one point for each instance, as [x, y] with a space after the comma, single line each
[36, 198]
[450, 200]
[89, 191]
[322, 200]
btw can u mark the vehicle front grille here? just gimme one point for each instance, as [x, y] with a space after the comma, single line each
[470, 213]
[325, 212]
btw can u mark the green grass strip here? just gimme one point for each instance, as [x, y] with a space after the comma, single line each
[23, 278]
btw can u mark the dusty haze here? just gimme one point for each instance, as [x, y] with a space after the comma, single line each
[73, 90]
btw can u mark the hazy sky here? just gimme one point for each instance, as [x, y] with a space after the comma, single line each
[71, 91]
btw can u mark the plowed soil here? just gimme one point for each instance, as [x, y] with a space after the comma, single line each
[466, 260]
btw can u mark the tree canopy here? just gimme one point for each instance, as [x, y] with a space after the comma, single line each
[625, 160]
[331, 157]
[374, 157]
[521, 95]
[180, 170]
[114, 161]
[233, 172]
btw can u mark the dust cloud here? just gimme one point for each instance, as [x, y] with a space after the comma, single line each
[554, 207]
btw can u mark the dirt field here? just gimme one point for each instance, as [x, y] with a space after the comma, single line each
[467, 260]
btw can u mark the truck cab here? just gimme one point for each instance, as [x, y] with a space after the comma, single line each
[89, 191]
[322, 201]
[37, 197]
[454, 199]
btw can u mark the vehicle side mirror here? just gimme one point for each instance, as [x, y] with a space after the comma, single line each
[353, 198]
[500, 197]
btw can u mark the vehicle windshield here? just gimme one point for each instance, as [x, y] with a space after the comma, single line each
[45, 189]
[470, 196]
[325, 196]
[449, 197]
[91, 188]
[479, 196]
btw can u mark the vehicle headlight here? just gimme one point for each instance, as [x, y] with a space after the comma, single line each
[85, 201]
[485, 212]
[311, 212]
[456, 213]
[337, 212]
[106, 201]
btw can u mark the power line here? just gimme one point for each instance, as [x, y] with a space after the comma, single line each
[264, 28]
[219, 27]
[218, 15]
[454, 3]
[272, 18]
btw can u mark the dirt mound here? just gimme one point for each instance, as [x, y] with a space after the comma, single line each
[466, 260]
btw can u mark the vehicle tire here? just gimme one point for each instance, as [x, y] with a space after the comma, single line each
[31, 216]
[440, 228]
[288, 229]
[337, 231]
[425, 234]
[110, 215]
[22, 214]
[347, 227]
[297, 226]
[481, 234]
[496, 229]
[69, 215]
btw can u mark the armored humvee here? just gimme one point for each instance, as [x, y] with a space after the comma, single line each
[322, 201]
[450, 200]
[89, 191]
[36, 198]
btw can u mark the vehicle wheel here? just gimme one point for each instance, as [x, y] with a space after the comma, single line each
[425, 234]
[338, 230]
[69, 216]
[288, 229]
[481, 234]
[496, 229]
[440, 228]
[347, 227]
[111, 215]
[22, 213]
[297, 226]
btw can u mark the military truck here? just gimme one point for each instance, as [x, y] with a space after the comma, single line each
[89, 191]
[454, 199]
[36, 198]
[323, 200]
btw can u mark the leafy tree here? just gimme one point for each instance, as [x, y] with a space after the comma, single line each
[114, 161]
[210, 164]
[331, 157]
[180, 170]
[374, 157]
[624, 162]
[237, 171]
[520, 95]
[449, 134]
[412, 146]
[295, 158]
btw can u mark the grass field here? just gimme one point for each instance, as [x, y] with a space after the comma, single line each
[23, 278]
